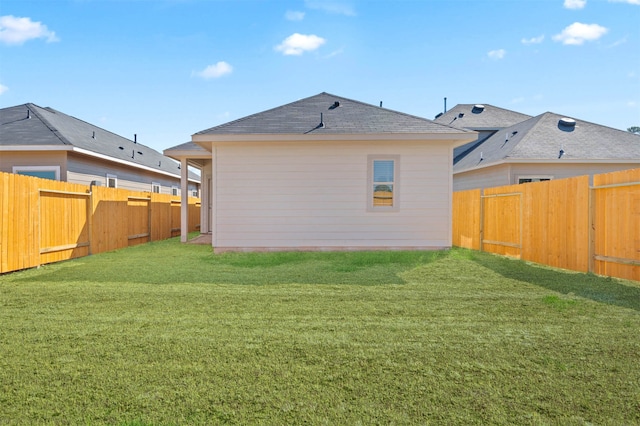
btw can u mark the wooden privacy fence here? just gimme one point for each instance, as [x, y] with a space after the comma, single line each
[563, 223]
[44, 221]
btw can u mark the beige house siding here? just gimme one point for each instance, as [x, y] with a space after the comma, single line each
[482, 178]
[561, 171]
[509, 174]
[83, 169]
[313, 195]
[9, 159]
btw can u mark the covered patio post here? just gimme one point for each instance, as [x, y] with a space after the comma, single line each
[184, 200]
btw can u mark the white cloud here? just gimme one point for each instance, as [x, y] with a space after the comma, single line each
[215, 71]
[297, 44]
[618, 42]
[335, 53]
[577, 33]
[636, 2]
[14, 30]
[293, 15]
[533, 40]
[3, 88]
[497, 54]
[575, 4]
[329, 6]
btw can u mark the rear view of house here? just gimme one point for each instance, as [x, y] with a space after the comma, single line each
[326, 173]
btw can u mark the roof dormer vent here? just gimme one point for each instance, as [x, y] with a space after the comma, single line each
[567, 122]
[477, 108]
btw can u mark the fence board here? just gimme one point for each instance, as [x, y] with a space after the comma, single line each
[616, 220]
[502, 221]
[466, 229]
[43, 221]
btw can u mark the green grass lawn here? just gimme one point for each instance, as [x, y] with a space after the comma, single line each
[171, 334]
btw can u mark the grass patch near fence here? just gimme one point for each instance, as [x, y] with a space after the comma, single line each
[169, 334]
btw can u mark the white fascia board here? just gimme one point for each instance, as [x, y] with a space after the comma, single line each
[125, 162]
[195, 154]
[552, 162]
[35, 148]
[458, 137]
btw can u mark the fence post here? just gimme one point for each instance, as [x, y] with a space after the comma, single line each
[481, 218]
[592, 231]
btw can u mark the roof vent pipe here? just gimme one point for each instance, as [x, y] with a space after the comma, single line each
[93, 136]
[445, 104]
[28, 113]
[135, 138]
[380, 104]
[567, 122]
[321, 121]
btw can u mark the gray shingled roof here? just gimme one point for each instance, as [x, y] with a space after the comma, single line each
[480, 117]
[544, 136]
[339, 115]
[48, 127]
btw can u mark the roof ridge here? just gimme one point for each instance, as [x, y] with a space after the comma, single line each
[336, 98]
[34, 108]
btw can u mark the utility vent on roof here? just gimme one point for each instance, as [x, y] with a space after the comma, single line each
[478, 108]
[567, 122]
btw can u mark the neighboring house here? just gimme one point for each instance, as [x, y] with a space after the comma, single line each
[325, 173]
[548, 146]
[47, 143]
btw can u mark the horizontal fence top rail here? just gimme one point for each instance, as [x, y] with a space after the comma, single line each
[54, 191]
[616, 185]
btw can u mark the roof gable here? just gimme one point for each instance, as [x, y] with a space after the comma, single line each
[328, 114]
[545, 137]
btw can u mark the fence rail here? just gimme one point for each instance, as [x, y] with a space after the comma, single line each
[563, 223]
[44, 221]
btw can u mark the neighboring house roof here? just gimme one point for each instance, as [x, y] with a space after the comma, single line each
[480, 117]
[327, 114]
[551, 137]
[31, 127]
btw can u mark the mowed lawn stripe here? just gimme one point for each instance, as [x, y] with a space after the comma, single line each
[171, 334]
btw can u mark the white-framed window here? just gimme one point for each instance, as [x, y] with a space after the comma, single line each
[155, 187]
[112, 181]
[194, 193]
[383, 183]
[534, 178]
[175, 190]
[44, 172]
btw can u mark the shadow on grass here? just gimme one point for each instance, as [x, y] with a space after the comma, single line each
[167, 263]
[600, 289]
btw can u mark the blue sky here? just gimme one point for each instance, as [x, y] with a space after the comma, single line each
[165, 69]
